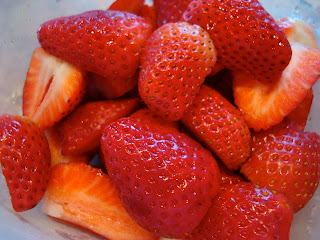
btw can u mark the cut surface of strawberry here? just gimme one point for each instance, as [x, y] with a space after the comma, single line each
[264, 105]
[53, 88]
[84, 196]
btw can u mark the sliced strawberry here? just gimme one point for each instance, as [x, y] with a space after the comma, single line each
[265, 105]
[54, 140]
[84, 196]
[25, 160]
[132, 6]
[53, 88]
[82, 129]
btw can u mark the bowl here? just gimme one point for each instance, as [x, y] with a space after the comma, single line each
[19, 21]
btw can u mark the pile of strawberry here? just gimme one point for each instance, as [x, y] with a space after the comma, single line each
[195, 109]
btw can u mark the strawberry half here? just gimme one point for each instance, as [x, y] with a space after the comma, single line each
[84, 196]
[219, 126]
[25, 160]
[264, 105]
[53, 88]
[286, 160]
[174, 64]
[164, 178]
[82, 129]
[246, 37]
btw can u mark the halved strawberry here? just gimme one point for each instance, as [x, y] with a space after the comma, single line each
[53, 88]
[132, 6]
[83, 195]
[265, 105]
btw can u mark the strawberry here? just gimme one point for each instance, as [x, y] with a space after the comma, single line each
[52, 89]
[246, 37]
[84, 196]
[170, 11]
[219, 126]
[132, 6]
[107, 43]
[54, 140]
[25, 160]
[265, 105]
[286, 160]
[229, 177]
[174, 64]
[149, 14]
[164, 178]
[81, 130]
[241, 211]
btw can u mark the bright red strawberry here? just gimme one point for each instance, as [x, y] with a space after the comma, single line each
[132, 6]
[219, 126]
[84, 196]
[149, 14]
[164, 178]
[264, 105]
[301, 113]
[286, 160]
[241, 211]
[107, 43]
[174, 64]
[81, 130]
[245, 35]
[145, 116]
[54, 139]
[53, 88]
[229, 177]
[170, 10]
[25, 160]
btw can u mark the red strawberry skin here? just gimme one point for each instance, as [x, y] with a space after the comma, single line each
[132, 6]
[246, 37]
[108, 43]
[165, 179]
[81, 130]
[219, 126]
[174, 64]
[25, 160]
[285, 160]
[241, 211]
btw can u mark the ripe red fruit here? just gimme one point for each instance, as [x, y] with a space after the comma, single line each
[53, 88]
[132, 6]
[219, 126]
[150, 15]
[164, 178]
[286, 160]
[25, 160]
[174, 64]
[241, 211]
[107, 43]
[81, 130]
[246, 37]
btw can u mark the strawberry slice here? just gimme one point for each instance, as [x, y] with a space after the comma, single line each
[53, 88]
[82, 195]
[265, 105]
[132, 6]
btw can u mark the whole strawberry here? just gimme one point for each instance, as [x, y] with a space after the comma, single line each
[25, 160]
[246, 37]
[219, 126]
[242, 211]
[107, 43]
[286, 160]
[164, 178]
[174, 64]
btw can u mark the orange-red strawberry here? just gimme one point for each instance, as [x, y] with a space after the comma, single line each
[264, 105]
[107, 43]
[149, 13]
[286, 160]
[245, 35]
[165, 179]
[84, 196]
[53, 88]
[132, 6]
[174, 64]
[241, 211]
[25, 160]
[219, 126]
[81, 130]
